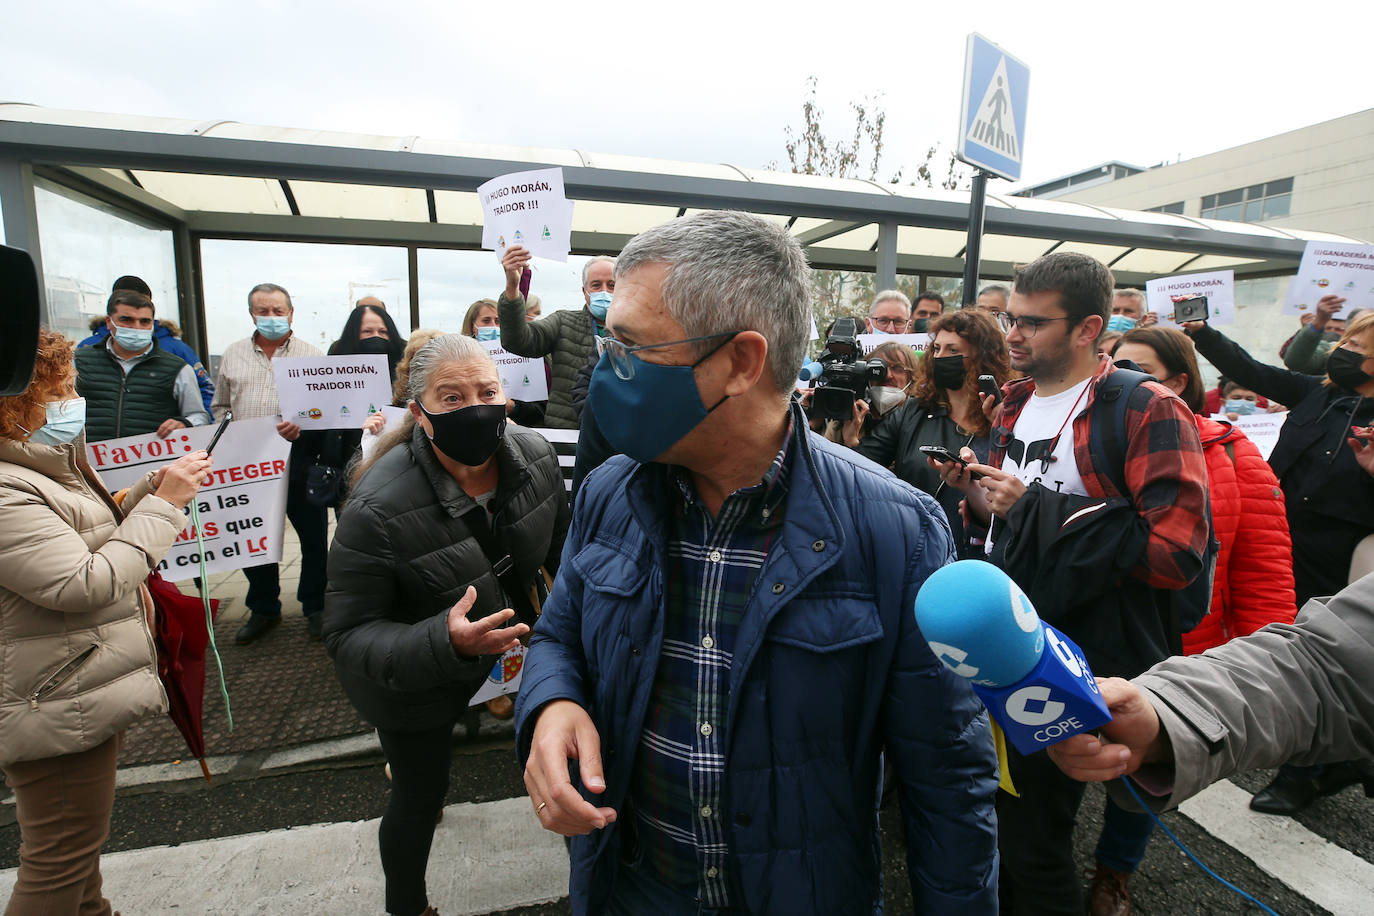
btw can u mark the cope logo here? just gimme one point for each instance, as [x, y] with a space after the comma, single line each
[313, 413]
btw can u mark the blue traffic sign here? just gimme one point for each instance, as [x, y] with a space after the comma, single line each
[992, 123]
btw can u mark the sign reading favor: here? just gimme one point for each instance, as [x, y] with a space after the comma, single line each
[242, 509]
[331, 392]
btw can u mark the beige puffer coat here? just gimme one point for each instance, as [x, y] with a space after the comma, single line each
[77, 662]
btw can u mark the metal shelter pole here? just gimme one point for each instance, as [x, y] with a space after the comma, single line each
[20, 217]
[887, 255]
[977, 199]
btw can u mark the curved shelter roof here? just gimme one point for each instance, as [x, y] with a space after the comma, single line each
[226, 179]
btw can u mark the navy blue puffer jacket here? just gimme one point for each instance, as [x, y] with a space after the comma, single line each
[830, 668]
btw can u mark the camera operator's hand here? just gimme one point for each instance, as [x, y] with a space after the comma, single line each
[854, 426]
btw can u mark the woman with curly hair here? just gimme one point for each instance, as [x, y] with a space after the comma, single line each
[944, 408]
[75, 641]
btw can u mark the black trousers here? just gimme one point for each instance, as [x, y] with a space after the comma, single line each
[1035, 838]
[419, 781]
[312, 528]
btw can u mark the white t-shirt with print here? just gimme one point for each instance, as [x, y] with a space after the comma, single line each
[1037, 425]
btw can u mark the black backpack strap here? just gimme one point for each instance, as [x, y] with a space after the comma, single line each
[1109, 439]
[501, 564]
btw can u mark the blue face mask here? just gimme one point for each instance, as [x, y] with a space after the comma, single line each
[601, 302]
[650, 413]
[1122, 323]
[66, 420]
[135, 340]
[1240, 407]
[273, 327]
[488, 333]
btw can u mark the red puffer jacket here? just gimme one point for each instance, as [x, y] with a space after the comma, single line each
[1254, 580]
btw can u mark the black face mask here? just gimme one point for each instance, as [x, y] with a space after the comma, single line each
[468, 435]
[920, 325]
[374, 346]
[379, 346]
[1346, 368]
[948, 372]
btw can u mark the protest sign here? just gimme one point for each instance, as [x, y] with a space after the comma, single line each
[1262, 428]
[1330, 269]
[504, 677]
[917, 342]
[331, 392]
[394, 417]
[522, 378]
[242, 509]
[1219, 286]
[528, 209]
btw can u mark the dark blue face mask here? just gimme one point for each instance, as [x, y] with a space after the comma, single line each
[649, 413]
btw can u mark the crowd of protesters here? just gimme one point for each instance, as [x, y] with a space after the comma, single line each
[719, 619]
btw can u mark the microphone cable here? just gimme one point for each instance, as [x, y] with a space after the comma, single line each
[1127, 782]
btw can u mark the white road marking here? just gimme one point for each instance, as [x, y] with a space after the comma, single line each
[486, 857]
[1319, 870]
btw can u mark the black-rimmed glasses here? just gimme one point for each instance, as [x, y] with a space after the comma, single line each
[1026, 324]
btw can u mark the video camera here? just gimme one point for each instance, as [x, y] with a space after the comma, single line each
[841, 377]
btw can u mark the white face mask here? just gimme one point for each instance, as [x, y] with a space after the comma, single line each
[885, 398]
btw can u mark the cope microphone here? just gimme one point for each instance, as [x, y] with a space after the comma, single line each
[981, 625]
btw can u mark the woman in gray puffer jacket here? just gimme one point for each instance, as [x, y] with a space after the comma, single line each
[76, 653]
[415, 615]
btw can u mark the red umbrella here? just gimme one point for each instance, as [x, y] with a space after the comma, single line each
[182, 635]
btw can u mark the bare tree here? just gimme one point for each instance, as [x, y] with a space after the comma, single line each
[811, 151]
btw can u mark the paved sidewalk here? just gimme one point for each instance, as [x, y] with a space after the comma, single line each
[486, 858]
[282, 688]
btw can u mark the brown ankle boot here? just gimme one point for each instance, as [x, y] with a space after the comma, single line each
[1108, 896]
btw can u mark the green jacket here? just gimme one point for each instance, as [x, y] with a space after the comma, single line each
[1307, 352]
[566, 337]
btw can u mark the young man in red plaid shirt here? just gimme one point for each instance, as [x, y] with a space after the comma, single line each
[1100, 564]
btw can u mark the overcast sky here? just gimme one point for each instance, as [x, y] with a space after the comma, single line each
[702, 81]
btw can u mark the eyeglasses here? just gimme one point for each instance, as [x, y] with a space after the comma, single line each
[1026, 324]
[619, 355]
[889, 322]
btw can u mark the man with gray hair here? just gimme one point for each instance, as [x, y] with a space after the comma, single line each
[730, 644]
[890, 313]
[567, 337]
[1129, 311]
[247, 386]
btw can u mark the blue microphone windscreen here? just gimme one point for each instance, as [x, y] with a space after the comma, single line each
[811, 370]
[979, 623]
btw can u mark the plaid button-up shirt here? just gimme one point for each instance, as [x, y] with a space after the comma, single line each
[676, 790]
[245, 383]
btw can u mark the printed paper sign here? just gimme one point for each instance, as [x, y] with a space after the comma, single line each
[1219, 286]
[1329, 269]
[331, 392]
[917, 342]
[1262, 428]
[243, 509]
[504, 676]
[522, 377]
[394, 417]
[528, 209]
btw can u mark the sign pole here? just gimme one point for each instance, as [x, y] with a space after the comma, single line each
[976, 205]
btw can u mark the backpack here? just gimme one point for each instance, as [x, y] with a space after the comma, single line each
[1192, 602]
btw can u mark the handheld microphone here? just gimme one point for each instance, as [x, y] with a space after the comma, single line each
[812, 370]
[982, 627]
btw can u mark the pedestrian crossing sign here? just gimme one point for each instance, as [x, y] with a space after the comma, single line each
[992, 122]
